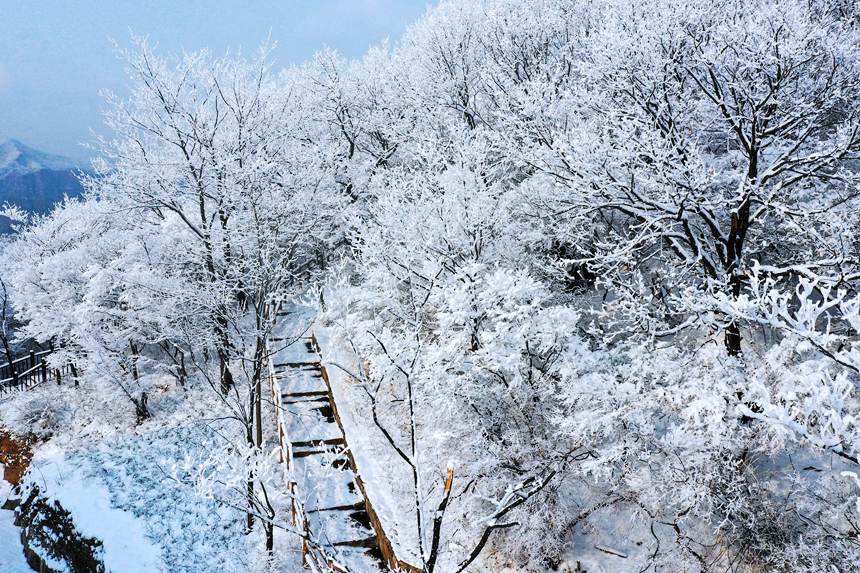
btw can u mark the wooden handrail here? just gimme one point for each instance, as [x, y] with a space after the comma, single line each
[36, 373]
[26, 357]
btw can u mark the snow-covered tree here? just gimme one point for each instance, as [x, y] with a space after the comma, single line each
[688, 139]
[596, 262]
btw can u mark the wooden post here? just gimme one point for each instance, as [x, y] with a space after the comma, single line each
[44, 369]
[15, 380]
[57, 374]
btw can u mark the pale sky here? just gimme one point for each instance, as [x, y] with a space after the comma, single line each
[55, 55]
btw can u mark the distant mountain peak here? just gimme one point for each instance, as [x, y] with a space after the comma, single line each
[17, 157]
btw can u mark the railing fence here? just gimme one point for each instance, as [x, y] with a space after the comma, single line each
[31, 370]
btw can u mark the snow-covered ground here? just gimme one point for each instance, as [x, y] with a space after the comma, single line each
[122, 493]
[68, 478]
[11, 552]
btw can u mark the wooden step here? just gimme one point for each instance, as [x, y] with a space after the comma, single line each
[361, 517]
[342, 464]
[307, 453]
[364, 542]
[341, 507]
[309, 400]
[311, 364]
[315, 443]
[357, 506]
[304, 394]
[312, 447]
[288, 373]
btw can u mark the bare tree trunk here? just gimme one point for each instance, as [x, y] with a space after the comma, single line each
[222, 349]
[5, 319]
[249, 526]
[269, 525]
[135, 353]
[9, 357]
[739, 226]
[259, 357]
[141, 408]
[437, 521]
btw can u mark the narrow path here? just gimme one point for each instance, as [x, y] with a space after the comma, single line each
[325, 482]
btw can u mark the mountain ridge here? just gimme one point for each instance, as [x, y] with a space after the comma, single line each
[34, 180]
[20, 158]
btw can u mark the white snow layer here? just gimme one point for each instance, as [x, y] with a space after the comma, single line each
[11, 552]
[126, 546]
[121, 492]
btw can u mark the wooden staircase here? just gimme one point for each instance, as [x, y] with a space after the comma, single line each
[328, 501]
